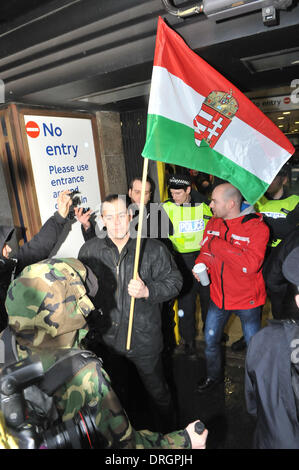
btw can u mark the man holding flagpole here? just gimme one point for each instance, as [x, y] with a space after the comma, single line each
[111, 257]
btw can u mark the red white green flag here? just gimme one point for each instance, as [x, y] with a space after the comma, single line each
[199, 120]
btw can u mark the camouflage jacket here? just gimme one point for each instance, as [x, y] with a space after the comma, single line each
[91, 385]
[47, 308]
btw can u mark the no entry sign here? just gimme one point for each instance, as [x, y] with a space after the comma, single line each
[63, 156]
[32, 129]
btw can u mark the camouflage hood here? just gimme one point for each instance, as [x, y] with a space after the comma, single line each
[47, 304]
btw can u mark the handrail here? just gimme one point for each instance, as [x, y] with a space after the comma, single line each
[181, 12]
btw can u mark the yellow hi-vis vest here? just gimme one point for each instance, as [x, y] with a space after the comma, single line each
[189, 222]
[276, 208]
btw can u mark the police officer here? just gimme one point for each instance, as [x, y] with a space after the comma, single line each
[188, 216]
[276, 203]
[281, 215]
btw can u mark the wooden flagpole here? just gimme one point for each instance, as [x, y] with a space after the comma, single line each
[137, 252]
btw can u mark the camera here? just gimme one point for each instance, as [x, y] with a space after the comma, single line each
[77, 433]
[25, 420]
[76, 201]
[269, 15]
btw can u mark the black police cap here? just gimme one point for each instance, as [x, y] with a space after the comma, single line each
[179, 181]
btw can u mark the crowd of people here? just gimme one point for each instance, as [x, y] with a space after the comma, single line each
[250, 252]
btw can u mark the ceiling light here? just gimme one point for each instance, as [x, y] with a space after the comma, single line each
[117, 94]
[277, 60]
[281, 125]
[280, 117]
[287, 112]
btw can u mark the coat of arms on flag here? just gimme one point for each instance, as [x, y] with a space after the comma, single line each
[215, 115]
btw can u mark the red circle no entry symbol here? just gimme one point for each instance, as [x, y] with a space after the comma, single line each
[32, 129]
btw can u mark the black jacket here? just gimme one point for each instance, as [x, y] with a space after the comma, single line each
[268, 388]
[275, 281]
[37, 249]
[281, 227]
[114, 271]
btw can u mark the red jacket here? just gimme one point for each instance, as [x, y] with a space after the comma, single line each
[234, 250]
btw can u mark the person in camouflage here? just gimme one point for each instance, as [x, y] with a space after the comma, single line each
[48, 306]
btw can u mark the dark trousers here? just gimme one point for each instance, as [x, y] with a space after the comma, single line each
[187, 298]
[277, 300]
[151, 373]
[283, 304]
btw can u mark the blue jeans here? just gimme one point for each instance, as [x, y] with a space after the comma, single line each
[215, 323]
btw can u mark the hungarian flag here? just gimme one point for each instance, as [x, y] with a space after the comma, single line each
[199, 120]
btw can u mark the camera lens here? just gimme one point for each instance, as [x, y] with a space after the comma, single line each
[57, 438]
[76, 201]
[77, 433]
